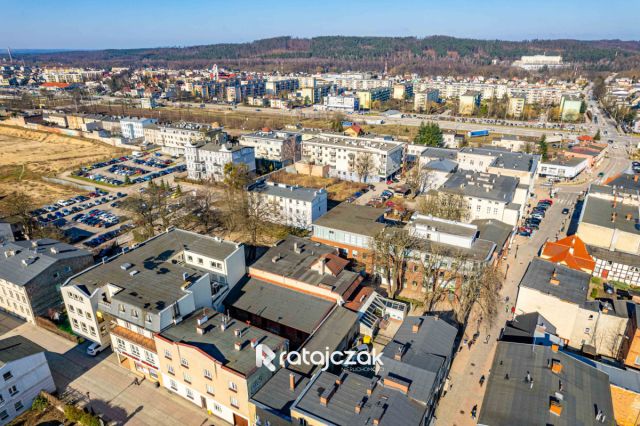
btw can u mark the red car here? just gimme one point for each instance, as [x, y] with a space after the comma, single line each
[546, 201]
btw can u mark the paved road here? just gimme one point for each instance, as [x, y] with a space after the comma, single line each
[101, 383]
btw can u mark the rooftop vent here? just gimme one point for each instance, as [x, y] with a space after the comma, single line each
[325, 397]
[134, 272]
[126, 266]
[237, 345]
[28, 261]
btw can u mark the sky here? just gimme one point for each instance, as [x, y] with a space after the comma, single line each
[91, 24]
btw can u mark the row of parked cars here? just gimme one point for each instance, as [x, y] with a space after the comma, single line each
[124, 170]
[61, 204]
[80, 203]
[533, 221]
[108, 236]
[98, 218]
[359, 194]
[153, 162]
[381, 200]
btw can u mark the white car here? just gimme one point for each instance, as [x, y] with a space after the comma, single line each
[95, 348]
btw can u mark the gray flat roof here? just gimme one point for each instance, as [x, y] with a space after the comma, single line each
[625, 182]
[564, 161]
[277, 394]
[614, 256]
[573, 284]
[513, 401]
[219, 344]
[481, 185]
[395, 408]
[22, 261]
[493, 230]
[354, 218]
[298, 265]
[158, 282]
[598, 211]
[446, 226]
[17, 347]
[216, 147]
[297, 310]
[288, 191]
[360, 143]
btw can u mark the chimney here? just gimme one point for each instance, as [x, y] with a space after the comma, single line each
[185, 275]
[399, 352]
[397, 383]
[341, 378]
[237, 332]
[635, 178]
[359, 406]
[416, 326]
[327, 394]
[555, 407]
[237, 345]
[556, 366]
[628, 216]
[554, 348]
[377, 414]
[254, 343]
[200, 330]
[613, 216]
[372, 385]
[292, 382]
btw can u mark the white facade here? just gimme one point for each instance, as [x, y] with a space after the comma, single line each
[422, 99]
[22, 380]
[174, 138]
[277, 146]
[290, 205]
[563, 169]
[346, 103]
[133, 127]
[342, 154]
[208, 161]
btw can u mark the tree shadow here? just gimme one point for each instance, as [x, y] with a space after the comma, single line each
[111, 414]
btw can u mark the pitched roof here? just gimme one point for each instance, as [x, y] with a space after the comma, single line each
[570, 251]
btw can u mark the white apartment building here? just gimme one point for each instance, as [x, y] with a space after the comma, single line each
[133, 127]
[274, 147]
[422, 99]
[208, 161]
[25, 372]
[127, 298]
[343, 153]
[174, 137]
[345, 103]
[536, 62]
[289, 205]
[32, 271]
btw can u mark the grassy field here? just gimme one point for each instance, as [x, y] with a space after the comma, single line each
[337, 190]
[28, 155]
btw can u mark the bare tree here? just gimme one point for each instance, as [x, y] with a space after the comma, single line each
[479, 288]
[18, 206]
[417, 179]
[390, 248]
[363, 165]
[444, 205]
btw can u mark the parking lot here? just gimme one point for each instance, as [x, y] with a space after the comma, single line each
[130, 169]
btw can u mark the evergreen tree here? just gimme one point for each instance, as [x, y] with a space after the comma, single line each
[429, 134]
[543, 148]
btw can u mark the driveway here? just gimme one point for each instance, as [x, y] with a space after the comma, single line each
[100, 383]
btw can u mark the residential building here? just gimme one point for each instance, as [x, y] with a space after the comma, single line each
[344, 103]
[133, 127]
[405, 389]
[207, 161]
[127, 298]
[563, 167]
[632, 356]
[354, 130]
[288, 205]
[488, 196]
[350, 228]
[344, 153]
[536, 385]
[277, 85]
[531, 328]
[468, 102]
[175, 137]
[273, 148]
[452, 140]
[403, 90]
[560, 294]
[55, 118]
[367, 98]
[570, 108]
[515, 105]
[512, 143]
[25, 373]
[293, 288]
[536, 62]
[593, 153]
[31, 273]
[423, 99]
[210, 360]
[571, 252]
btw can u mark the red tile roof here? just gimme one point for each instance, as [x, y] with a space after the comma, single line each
[58, 85]
[570, 251]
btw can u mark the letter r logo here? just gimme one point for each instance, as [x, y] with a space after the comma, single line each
[264, 356]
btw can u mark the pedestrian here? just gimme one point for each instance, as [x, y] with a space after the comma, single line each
[474, 411]
[481, 380]
[136, 381]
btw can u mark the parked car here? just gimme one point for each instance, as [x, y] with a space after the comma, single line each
[537, 216]
[565, 211]
[95, 348]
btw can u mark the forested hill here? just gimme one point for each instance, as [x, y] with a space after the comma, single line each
[341, 52]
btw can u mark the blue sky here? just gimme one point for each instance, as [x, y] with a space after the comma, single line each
[92, 24]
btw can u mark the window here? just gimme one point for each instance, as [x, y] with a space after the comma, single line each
[135, 351]
[170, 369]
[234, 401]
[207, 374]
[148, 318]
[71, 309]
[7, 376]
[189, 393]
[4, 415]
[13, 390]
[184, 362]
[88, 315]
[186, 377]
[80, 312]
[167, 354]
[134, 313]
[121, 345]
[217, 407]
[148, 356]
[200, 261]
[637, 361]
[233, 386]
[18, 406]
[190, 258]
[210, 390]
[173, 385]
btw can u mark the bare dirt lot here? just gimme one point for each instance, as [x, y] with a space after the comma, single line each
[27, 155]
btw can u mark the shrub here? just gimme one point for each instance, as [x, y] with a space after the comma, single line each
[73, 413]
[594, 293]
[40, 403]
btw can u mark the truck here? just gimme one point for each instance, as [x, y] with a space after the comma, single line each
[477, 133]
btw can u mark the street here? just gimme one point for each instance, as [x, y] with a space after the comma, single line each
[102, 385]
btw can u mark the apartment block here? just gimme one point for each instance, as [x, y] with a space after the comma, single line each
[423, 99]
[127, 298]
[274, 148]
[207, 161]
[210, 360]
[25, 373]
[367, 98]
[468, 102]
[345, 103]
[343, 153]
[403, 91]
[133, 127]
[515, 106]
[288, 205]
[32, 271]
[570, 107]
[174, 137]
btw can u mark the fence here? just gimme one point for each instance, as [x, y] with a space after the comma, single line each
[52, 327]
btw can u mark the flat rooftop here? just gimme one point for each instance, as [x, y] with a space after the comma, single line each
[364, 144]
[354, 218]
[219, 344]
[600, 212]
[293, 192]
[160, 265]
[482, 185]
